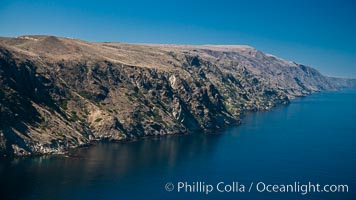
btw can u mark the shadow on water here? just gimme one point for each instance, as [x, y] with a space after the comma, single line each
[103, 163]
[312, 139]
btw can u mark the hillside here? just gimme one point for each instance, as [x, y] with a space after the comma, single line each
[60, 93]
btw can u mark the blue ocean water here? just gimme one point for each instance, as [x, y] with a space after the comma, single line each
[311, 140]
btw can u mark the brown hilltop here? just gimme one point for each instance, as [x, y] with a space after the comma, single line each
[59, 93]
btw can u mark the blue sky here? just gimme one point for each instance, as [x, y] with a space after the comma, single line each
[321, 34]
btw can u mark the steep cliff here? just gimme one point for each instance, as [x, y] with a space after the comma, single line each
[59, 93]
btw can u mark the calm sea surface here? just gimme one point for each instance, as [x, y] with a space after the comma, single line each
[311, 140]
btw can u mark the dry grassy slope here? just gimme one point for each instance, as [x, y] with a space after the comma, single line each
[59, 93]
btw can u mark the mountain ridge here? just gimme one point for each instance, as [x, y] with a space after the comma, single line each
[60, 93]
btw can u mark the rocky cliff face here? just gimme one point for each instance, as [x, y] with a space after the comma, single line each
[60, 93]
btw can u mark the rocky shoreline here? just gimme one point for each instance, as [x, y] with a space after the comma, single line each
[58, 93]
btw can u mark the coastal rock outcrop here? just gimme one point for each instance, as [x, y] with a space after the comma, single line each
[59, 93]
